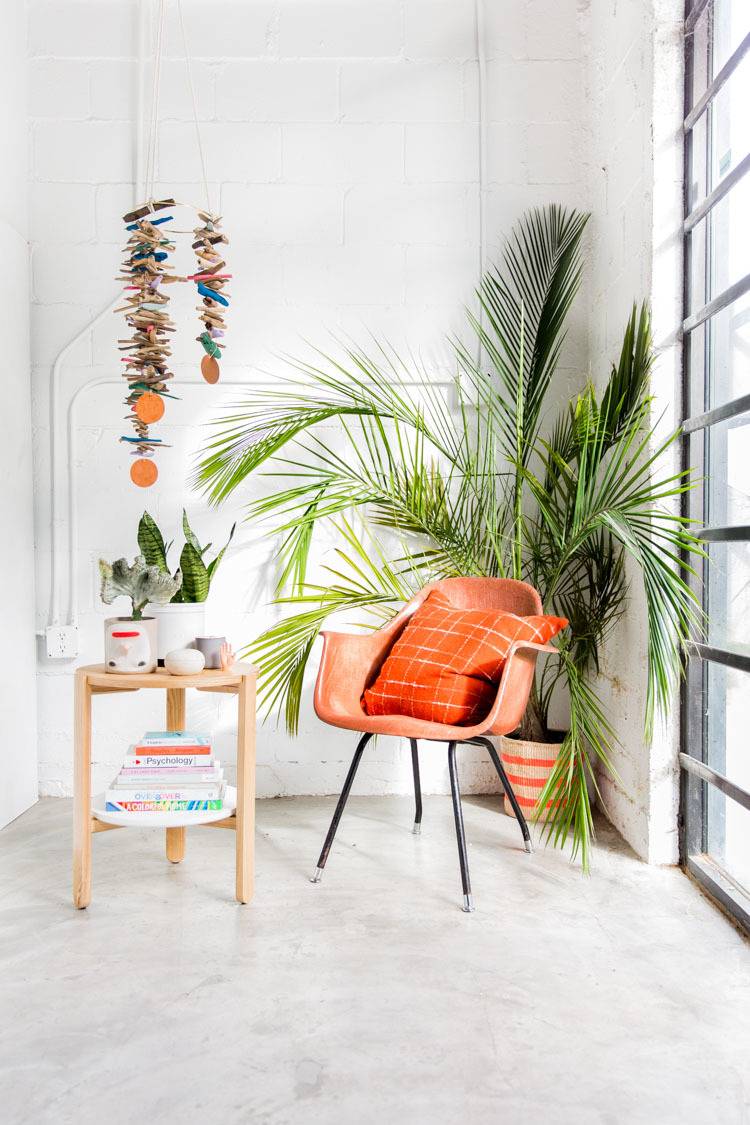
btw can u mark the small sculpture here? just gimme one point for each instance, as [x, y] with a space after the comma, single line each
[227, 657]
[146, 272]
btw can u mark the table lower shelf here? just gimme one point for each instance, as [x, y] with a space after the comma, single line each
[163, 819]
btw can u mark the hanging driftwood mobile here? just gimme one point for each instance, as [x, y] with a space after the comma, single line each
[146, 270]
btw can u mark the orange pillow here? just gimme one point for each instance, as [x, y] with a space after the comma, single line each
[446, 665]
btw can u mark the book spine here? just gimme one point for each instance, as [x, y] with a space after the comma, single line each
[176, 736]
[162, 793]
[167, 750]
[165, 806]
[161, 761]
[167, 777]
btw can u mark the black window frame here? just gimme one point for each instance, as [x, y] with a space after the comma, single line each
[700, 781]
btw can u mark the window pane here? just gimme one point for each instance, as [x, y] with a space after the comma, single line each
[700, 54]
[729, 342]
[717, 35]
[720, 138]
[727, 228]
[729, 472]
[731, 25]
[727, 748]
[729, 595]
[729, 836]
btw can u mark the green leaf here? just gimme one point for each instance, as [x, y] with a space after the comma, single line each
[195, 580]
[190, 536]
[151, 543]
[214, 564]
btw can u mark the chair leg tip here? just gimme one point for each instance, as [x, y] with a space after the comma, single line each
[528, 846]
[317, 876]
[417, 828]
[468, 906]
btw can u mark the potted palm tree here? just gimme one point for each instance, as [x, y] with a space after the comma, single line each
[495, 483]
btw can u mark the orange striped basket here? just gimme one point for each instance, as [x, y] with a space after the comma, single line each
[528, 766]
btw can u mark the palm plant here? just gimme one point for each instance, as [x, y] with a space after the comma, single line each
[481, 485]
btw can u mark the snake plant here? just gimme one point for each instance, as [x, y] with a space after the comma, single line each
[196, 571]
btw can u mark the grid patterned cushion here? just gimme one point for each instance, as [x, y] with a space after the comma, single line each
[446, 665]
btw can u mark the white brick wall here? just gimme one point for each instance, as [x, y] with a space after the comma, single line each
[17, 655]
[342, 150]
[635, 89]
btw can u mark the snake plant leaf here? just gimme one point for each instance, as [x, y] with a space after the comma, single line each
[195, 578]
[213, 565]
[190, 536]
[151, 542]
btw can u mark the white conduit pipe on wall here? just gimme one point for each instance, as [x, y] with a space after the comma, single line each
[53, 616]
[71, 497]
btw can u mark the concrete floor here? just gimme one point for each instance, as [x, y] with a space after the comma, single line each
[622, 998]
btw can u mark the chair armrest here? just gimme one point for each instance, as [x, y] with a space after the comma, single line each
[349, 663]
[515, 685]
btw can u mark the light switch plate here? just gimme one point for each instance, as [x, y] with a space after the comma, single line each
[62, 642]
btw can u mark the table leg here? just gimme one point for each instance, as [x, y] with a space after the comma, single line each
[245, 817]
[176, 721]
[82, 793]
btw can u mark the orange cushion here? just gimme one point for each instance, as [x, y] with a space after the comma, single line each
[446, 665]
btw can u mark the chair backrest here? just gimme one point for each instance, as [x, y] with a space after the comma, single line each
[489, 593]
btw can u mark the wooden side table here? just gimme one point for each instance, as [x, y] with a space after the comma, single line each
[95, 680]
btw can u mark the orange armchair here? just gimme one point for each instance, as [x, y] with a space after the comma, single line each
[351, 662]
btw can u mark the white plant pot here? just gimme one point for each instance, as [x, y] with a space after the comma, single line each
[179, 624]
[130, 646]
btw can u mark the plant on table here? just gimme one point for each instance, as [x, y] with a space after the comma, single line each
[489, 485]
[141, 583]
[196, 571]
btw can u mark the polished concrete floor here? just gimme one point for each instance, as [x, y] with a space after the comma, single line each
[371, 997]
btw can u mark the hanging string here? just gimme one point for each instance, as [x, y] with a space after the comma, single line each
[154, 123]
[195, 105]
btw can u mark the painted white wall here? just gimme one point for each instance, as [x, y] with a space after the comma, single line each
[18, 755]
[635, 91]
[342, 140]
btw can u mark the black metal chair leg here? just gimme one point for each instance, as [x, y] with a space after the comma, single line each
[460, 834]
[417, 787]
[509, 790]
[340, 807]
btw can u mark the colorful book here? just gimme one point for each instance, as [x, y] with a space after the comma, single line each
[168, 737]
[167, 750]
[164, 761]
[165, 806]
[164, 793]
[168, 775]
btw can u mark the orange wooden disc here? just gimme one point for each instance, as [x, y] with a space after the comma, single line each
[149, 407]
[143, 472]
[210, 369]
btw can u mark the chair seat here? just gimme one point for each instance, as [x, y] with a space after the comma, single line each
[404, 726]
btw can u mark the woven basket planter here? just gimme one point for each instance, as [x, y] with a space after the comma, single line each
[528, 766]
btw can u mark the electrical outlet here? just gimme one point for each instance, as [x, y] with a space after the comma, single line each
[62, 642]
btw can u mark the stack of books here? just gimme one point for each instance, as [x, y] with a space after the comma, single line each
[168, 771]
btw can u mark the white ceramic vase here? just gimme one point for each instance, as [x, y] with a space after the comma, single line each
[130, 646]
[179, 624]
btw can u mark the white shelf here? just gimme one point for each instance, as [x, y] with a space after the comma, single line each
[163, 819]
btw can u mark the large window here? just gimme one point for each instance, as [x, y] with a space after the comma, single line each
[715, 754]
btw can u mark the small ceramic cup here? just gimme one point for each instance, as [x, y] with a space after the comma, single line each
[211, 649]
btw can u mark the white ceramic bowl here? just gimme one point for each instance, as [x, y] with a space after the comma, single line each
[184, 661]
